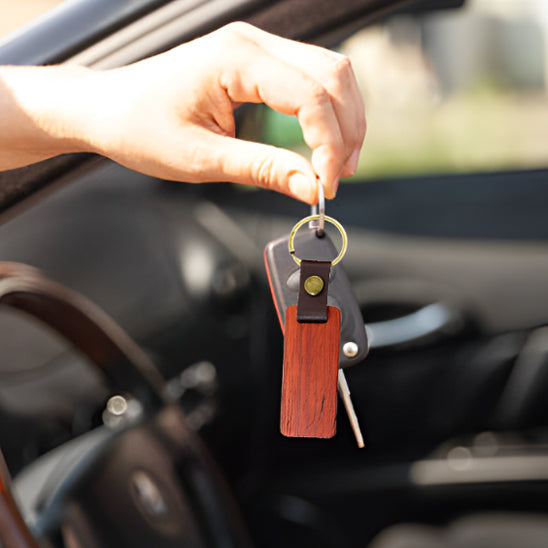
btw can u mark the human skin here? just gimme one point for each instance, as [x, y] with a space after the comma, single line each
[172, 115]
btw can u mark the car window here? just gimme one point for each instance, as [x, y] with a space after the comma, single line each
[451, 91]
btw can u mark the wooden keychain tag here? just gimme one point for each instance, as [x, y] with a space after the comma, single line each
[311, 358]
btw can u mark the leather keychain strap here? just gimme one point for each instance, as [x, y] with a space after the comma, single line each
[313, 285]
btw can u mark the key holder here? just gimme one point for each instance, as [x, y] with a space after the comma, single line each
[311, 351]
[317, 341]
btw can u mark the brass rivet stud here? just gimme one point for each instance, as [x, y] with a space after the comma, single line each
[313, 285]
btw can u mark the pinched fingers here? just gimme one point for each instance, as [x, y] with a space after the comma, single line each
[259, 77]
[241, 64]
[334, 74]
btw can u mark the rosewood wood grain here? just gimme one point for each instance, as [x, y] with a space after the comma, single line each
[309, 383]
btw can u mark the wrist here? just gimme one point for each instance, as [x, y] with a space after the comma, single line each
[48, 110]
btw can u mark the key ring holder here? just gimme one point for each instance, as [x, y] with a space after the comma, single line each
[334, 222]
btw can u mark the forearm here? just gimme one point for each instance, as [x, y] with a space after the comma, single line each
[44, 112]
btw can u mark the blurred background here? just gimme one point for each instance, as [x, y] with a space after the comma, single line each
[450, 91]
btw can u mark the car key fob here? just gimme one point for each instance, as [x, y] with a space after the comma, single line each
[284, 274]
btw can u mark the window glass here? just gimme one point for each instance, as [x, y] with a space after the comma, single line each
[449, 91]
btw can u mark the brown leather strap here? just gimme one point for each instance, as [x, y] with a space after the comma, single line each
[313, 308]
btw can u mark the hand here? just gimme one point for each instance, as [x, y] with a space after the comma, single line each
[171, 116]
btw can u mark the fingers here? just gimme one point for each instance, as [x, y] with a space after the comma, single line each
[333, 72]
[189, 132]
[287, 89]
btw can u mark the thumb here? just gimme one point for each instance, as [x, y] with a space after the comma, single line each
[264, 166]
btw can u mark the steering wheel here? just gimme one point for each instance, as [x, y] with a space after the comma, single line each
[152, 484]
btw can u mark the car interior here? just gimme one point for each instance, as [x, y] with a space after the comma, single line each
[161, 427]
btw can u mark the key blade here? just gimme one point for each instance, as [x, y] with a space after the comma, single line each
[344, 391]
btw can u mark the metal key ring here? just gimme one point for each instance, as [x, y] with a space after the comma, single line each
[334, 222]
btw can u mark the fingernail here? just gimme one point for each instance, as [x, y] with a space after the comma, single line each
[302, 187]
[352, 162]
